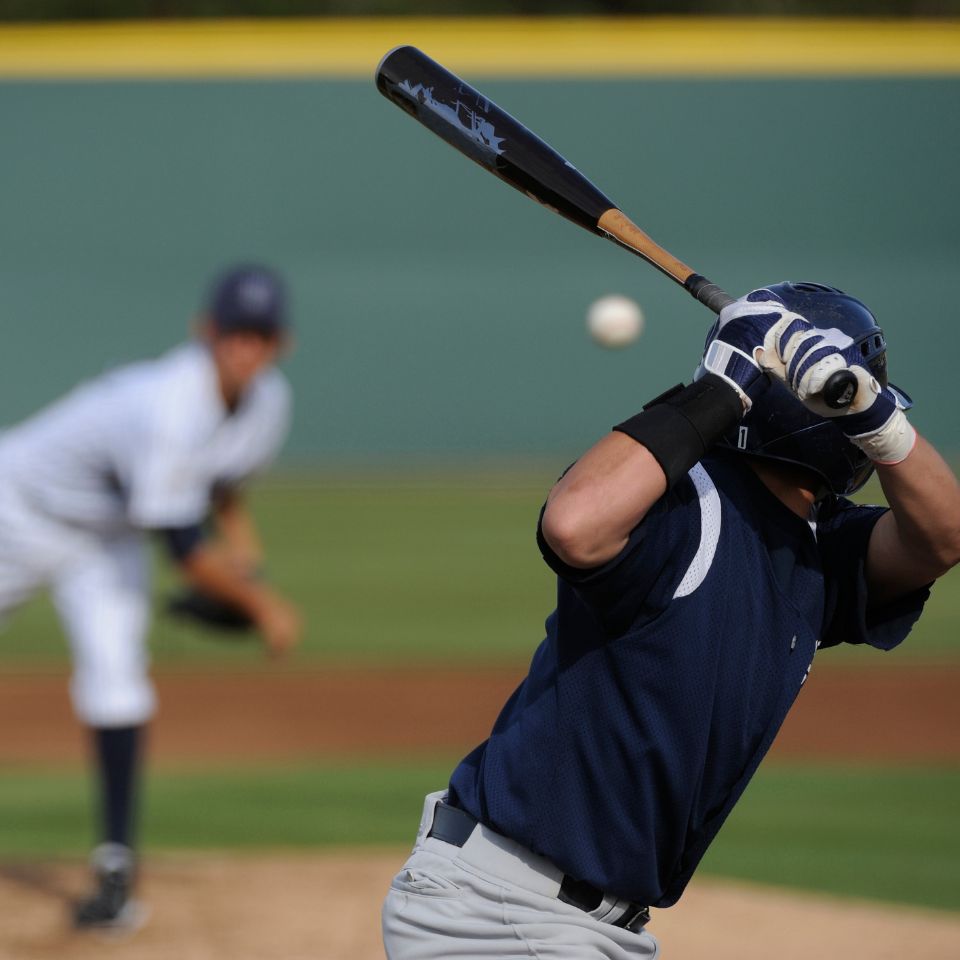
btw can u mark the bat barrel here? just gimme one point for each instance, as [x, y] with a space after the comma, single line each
[479, 129]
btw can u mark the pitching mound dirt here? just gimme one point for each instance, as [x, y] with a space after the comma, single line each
[326, 907]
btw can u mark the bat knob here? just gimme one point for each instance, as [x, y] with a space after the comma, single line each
[840, 389]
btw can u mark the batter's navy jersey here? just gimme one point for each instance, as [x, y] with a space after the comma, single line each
[665, 675]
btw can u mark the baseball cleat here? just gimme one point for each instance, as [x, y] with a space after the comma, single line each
[111, 907]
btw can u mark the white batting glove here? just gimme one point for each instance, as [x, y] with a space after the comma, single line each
[735, 351]
[804, 357]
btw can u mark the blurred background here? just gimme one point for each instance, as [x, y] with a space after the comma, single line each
[443, 377]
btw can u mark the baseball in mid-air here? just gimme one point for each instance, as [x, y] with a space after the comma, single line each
[614, 321]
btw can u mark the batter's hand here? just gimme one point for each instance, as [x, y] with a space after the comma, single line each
[738, 342]
[803, 357]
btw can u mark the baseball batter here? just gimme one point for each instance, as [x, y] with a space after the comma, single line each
[705, 551]
[153, 447]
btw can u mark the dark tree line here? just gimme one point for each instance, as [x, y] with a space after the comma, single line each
[163, 9]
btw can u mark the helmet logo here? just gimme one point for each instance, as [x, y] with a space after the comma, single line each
[742, 438]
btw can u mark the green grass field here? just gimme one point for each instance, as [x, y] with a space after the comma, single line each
[872, 832]
[400, 569]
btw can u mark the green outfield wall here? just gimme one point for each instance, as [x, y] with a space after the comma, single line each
[439, 312]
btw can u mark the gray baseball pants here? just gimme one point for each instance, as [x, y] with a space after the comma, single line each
[492, 898]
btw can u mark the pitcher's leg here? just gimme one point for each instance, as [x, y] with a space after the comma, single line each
[103, 604]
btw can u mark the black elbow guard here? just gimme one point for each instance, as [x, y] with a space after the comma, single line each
[679, 426]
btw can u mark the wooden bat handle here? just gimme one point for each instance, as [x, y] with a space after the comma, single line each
[618, 226]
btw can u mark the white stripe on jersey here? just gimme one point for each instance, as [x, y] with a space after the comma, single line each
[709, 532]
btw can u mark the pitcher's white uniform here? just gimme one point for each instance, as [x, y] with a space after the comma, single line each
[83, 481]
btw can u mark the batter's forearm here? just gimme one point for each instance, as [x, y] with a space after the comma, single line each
[919, 540]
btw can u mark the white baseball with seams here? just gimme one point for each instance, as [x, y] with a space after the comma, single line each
[614, 321]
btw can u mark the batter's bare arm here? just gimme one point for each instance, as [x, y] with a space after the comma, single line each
[919, 539]
[600, 499]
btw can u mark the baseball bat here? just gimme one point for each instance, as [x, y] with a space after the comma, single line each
[479, 129]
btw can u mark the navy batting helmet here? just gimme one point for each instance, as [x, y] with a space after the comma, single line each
[779, 427]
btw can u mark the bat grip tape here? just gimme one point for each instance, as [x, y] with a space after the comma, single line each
[709, 294]
[681, 425]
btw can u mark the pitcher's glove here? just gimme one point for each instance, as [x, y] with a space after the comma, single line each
[203, 610]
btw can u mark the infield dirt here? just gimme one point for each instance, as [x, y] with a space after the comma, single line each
[352, 712]
[326, 907]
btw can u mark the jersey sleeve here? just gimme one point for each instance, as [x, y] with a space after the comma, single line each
[639, 582]
[843, 537]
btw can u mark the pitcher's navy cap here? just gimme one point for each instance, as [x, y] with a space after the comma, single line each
[250, 298]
